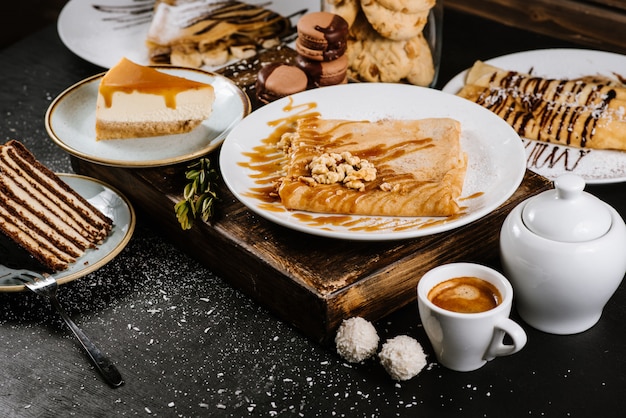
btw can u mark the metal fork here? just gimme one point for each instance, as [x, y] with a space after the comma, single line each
[47, 286]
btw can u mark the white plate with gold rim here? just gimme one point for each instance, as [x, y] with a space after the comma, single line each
[552, 160]
[110, 202]
[71, 123]
[496, 162]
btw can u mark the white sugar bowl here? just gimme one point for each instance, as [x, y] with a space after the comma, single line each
[564, 252]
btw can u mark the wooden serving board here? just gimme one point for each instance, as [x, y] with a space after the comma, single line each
[308, 281]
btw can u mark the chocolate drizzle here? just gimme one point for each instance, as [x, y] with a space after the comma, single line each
[335, 35]
[128, 15]
[246, 17]
[568, 110]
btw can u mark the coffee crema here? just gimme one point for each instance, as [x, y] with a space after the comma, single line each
[465, 295]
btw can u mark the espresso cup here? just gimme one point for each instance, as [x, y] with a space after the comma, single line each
[467, 328]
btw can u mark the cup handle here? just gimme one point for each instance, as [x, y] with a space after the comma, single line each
[497, 346]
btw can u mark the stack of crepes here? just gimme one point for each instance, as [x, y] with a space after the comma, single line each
[588, 112]
[387, 167]
[195, 33]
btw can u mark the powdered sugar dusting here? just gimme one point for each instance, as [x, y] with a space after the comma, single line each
[548, 159]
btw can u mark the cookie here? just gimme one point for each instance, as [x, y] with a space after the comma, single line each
[321, 36]
[348, 9]
[423, 70]
[377, 59]
[407, 6]
[324, 73]
[392, 24]
[276, 80]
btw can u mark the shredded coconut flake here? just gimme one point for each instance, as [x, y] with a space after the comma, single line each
[402, 357]
[356, 339]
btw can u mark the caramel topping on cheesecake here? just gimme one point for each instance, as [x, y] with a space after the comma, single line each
[127, 77]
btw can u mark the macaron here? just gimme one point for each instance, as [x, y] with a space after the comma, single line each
[277, 80]
[324, 73]
[322, 36]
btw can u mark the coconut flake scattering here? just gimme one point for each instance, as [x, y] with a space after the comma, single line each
[356, 339]
[402, 357]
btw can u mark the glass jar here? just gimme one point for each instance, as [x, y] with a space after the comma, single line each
[385, 45]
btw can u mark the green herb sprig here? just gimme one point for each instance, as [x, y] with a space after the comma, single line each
[199, 195]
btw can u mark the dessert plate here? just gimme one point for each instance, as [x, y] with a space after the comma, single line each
[496, 162]
[110, 202]
[71, 120]
[552, 160]
[103, 31]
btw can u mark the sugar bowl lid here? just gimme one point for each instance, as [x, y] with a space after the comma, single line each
[567, 213]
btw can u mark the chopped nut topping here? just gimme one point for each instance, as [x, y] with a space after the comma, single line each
[387, 187]
[284, 143]
[345, 168]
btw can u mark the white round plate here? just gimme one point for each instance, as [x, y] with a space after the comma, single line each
[104, 31]
[495, 169]
[551, 160]
[71, 123]
[114, 205]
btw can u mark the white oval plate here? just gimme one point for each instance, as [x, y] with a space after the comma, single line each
[71, 123]
[496, 157]
[552, 160]
[103, 31]
[114, 205]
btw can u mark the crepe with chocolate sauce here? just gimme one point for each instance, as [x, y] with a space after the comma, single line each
[589, 112]
[194, 33]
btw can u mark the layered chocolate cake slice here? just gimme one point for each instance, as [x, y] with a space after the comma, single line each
[42, 214]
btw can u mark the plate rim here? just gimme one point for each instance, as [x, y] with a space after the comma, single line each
[374, 236]
[91, 267]
[459, 76]
[213, 145]
[457, 81]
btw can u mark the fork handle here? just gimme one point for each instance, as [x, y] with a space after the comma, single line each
[106, 368]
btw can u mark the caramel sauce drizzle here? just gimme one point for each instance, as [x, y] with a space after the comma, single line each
[127, 77]
[266, 162]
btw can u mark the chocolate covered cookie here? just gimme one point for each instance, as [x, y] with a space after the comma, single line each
[324, 73]
[277, 80]
[322, 36]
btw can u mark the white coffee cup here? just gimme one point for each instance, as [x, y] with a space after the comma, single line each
[466, 341]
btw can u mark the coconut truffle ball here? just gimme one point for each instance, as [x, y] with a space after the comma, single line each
[403, 357]
[356, 339]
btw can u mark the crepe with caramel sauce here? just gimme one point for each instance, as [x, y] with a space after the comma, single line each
[419, 167]
[589, 112]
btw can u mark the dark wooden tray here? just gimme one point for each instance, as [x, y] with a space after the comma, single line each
[310, 282]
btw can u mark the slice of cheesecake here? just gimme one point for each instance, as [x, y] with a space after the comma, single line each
[136, 101]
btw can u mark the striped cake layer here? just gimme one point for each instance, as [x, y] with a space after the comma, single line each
[42, 214]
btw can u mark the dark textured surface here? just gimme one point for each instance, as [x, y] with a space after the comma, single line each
[189, 345]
